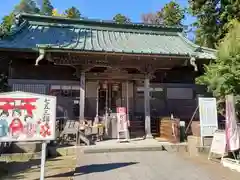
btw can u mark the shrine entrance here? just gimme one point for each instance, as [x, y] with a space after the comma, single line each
[110, 96]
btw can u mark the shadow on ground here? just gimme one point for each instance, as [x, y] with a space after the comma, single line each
[94, 168]
[12, 168]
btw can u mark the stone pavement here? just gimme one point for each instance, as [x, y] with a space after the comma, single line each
[133, 145]
[153, 165]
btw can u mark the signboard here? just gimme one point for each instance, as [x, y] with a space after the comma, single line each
[208, 116]
[122, 124]
[218, 144]
[27, 117]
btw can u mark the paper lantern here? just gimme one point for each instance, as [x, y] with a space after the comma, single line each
[115, 87]
[104, 85]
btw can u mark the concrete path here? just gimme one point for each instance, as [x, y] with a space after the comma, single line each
[133, 145]
[152, 165]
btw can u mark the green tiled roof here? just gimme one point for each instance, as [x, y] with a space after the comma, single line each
[56, 33]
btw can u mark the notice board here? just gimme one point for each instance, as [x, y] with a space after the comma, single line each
[208, 116]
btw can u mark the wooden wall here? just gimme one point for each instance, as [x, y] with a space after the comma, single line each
[176, 88]
[27, 70]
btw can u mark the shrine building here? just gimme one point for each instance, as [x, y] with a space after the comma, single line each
[93, 67]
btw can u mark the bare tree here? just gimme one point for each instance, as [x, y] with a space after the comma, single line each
[151, 18]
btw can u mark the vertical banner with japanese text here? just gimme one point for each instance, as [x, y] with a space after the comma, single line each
[232, 130]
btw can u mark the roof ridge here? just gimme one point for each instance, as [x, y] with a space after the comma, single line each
[64, 20]
[14, 30]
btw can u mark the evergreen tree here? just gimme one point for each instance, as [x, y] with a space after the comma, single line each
[213, 17]
[170, 15]
[46, 8]
[223, 76]
[6, 24]
[56, 13]
[27, 6]
[121, 19]
[73, 13]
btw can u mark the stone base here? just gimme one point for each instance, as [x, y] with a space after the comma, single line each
[55, 151]
[231, 164]
[204, 150]
[149, 136]
[176, 148]
[207, 141]
[193, 144]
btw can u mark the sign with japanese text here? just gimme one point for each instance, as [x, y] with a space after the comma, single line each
[122, 119]
[27, 117]
[208, 116]
[218, 143]
[218, 146]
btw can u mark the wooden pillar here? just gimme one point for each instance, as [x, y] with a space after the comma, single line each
[82, 97]
[127, 100]
[96, 120]
[147, 107]
[127, 109]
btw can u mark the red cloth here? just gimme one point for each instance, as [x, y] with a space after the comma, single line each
[16, 126]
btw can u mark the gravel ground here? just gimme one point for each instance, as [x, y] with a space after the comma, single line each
[149, 166]
[61, 168]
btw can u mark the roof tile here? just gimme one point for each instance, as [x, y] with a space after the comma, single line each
[84, 37]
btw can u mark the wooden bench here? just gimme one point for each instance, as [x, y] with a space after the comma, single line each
[83, 133]
[88, 134]
[71, 127]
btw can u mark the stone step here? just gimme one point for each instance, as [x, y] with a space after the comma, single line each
[180, 147]
[203, 150]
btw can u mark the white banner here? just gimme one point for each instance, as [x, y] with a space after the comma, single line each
[27, 117]
[208, 116]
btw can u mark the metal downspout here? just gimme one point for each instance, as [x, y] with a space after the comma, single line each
[41, 56]
[193, 63]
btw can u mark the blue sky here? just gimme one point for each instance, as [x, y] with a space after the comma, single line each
[105, 9]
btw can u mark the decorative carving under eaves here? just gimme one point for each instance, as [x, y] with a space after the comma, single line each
[148, 69]
[81, 69]
[79, 61]
[115, 71]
